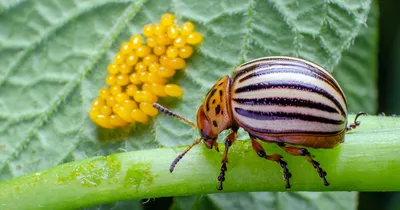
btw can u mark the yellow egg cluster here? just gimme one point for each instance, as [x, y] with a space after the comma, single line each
[140, 72]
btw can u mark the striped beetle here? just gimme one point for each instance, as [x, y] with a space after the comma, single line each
[275, 99]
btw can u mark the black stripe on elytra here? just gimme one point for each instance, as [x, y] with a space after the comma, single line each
[295, 69]
[293, 62]
[269, 131]
[250, 69]
[257, 115]
[273, 70]
[294, 85]
[274, 60]
[295, 102]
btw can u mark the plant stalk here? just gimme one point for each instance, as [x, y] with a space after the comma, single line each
[369, 160]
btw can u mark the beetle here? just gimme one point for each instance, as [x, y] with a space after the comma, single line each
[278, 99]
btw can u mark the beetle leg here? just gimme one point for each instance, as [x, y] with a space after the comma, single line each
[275, 157]
[356, 123]
[295, 151]
[228, 143]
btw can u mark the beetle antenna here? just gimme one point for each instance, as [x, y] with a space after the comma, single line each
[177, 159]
[167, 112]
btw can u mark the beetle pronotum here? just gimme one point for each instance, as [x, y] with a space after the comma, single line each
[275, 99]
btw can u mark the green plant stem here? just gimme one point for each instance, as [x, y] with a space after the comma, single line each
[369, 160]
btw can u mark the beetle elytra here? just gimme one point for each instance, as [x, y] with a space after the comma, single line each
[284, 100]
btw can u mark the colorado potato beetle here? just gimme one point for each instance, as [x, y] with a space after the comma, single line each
[284, 100]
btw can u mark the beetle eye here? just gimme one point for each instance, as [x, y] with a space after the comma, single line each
[204, 135]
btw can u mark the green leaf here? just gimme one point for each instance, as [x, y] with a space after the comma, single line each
[269, 200]
[357, 70]
[54, 55]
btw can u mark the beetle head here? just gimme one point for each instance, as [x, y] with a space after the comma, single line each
[206, 133]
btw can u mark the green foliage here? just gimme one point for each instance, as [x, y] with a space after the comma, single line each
[54, 53]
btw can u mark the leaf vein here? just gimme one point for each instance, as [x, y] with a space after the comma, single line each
[289, 22]
[45, 36]
[247, 32]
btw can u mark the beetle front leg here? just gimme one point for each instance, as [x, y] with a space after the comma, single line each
[228, 143]
[295, 151]
[275, 157]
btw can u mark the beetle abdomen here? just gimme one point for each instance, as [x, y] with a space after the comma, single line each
[287, 96]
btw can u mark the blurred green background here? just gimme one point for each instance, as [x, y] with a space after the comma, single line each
[389, 89]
